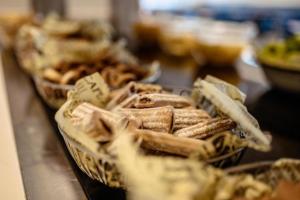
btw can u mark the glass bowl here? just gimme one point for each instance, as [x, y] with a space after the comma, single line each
[279, 77]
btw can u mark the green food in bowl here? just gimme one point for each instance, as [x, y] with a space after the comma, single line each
[282, 54]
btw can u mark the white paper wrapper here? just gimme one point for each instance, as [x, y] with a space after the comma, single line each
[218, 97]
[90, 89]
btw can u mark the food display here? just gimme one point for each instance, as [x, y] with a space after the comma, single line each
[189, 179]
[60, 52]
[282, 54]
[282, 178]
[214, 43]
[128, 132]
[280, 62]
[209, 123]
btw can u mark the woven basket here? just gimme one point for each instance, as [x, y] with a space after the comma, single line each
[53, 94]
[105, 169]
[252, 168]
[99, 168]
[268, 172]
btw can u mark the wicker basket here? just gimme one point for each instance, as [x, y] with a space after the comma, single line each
[99, 168]
[55, 95]
[252, 168]
[269, 172]
[105, 170]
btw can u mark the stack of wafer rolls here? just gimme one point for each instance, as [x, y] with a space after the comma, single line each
[187, 117]
[206, 128]
[161, 121]
[96, 122]
[156, 119]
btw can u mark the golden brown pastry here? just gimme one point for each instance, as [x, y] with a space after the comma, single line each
[156, 119]
[158, 100]
[97, 123]
[131, 88]
[188, 117]
[168, 143]
[206, 128]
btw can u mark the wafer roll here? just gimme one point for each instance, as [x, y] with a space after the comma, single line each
[158, 100]
[207, 128]
[120, 96]
[188, 117]
[87, 108]
[132, 88]
[97, 123]
[92, 125]
[127, 103]
[168, 143]
[156, 119]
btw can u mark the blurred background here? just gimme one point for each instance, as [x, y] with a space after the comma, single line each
[268, 15]
[252, 44]
[230, 39]
[236, 40]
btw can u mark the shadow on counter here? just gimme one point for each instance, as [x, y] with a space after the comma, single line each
[278, 112]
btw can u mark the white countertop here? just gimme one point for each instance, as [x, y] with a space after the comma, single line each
[11, 185]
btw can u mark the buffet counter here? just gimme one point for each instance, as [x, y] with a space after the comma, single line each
[49, 172]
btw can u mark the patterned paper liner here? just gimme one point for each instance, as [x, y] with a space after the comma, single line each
[104, 169]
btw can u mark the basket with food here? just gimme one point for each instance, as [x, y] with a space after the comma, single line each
[210, 123]
[280, 62]
[281, 178]
[58, 52]
[149, 177]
